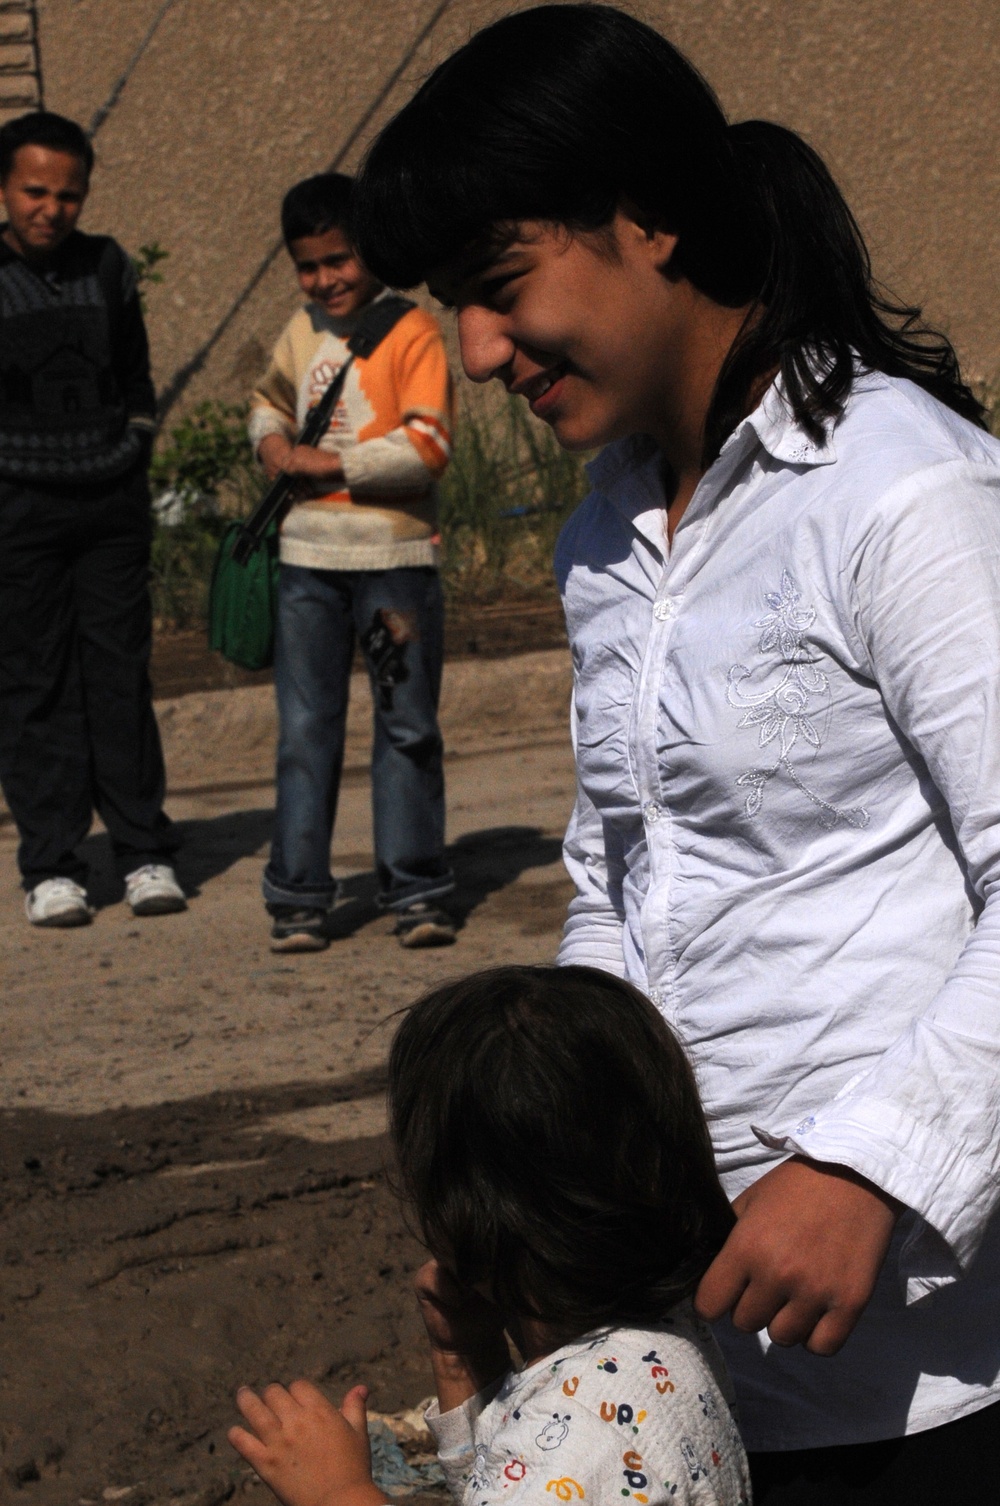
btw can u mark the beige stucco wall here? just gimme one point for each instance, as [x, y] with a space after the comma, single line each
[235, 99]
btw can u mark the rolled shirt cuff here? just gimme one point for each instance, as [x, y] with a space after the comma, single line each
[940, 1183]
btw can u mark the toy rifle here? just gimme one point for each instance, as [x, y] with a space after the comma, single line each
[375, 323]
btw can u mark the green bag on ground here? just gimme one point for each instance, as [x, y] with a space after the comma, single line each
[243, 601]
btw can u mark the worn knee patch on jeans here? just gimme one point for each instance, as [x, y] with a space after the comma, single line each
[384, 645]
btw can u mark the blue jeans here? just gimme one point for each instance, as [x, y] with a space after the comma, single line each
[399, 617]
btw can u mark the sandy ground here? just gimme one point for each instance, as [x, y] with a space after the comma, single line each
[192, 1162]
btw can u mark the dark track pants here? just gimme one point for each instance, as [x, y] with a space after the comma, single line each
[77, 730]
[957, 1464]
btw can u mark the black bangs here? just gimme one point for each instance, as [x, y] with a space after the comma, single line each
[565, 114]
[534, 119]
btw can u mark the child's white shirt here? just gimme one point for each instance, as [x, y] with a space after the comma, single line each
[626, 1414]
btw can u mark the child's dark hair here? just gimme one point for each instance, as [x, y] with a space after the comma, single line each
[550, 1140]
[317, 205]
[44, 128]
[567, 113]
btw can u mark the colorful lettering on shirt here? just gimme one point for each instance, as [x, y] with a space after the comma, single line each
[627, 1450]
[564, 1489]
[635, 1479]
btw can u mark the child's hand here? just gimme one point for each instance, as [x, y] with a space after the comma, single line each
[458, 1320]
[466, 1333]
[304, 1449]
[309, 464]
[272, 452]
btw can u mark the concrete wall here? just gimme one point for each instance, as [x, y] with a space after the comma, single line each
[235, 99]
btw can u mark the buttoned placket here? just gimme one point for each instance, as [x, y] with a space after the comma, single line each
[681, 560]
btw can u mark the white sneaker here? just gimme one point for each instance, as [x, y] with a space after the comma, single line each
[153, 890]
[57, 902]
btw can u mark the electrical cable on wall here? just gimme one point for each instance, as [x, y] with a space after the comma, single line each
[179, 381]
[101, 115]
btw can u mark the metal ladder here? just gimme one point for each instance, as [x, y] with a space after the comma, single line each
[20, 58]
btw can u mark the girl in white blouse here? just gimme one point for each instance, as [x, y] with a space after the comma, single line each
[551, 1145]
[783, 600]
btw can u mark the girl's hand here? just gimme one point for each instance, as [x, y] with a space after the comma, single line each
[466, 1333]
[304, 1449]
[804, 1256]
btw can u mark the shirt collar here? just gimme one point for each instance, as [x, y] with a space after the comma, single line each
[344, 326]
[772, 421]
[782, 436]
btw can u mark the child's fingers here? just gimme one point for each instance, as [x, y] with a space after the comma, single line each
[280, 1402]
[354, 1409]
[245, 1444]
[257, 1412]
[308, 1395]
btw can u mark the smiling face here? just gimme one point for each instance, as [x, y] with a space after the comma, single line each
[331, 273]
[592, 330]
[43, 195]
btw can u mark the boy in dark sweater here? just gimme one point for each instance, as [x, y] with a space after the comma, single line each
[77, 729]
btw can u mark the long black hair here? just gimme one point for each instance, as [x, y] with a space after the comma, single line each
[550, 1139]
[566, 113]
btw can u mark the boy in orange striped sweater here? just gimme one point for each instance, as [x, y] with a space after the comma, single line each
[358, 554]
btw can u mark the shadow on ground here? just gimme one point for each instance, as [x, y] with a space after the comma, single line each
[483, 863]
[208, 849]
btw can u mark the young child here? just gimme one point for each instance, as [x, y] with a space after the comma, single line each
[552, 1146]
[358, 556]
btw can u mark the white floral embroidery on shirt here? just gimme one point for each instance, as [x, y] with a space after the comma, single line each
[782, 710]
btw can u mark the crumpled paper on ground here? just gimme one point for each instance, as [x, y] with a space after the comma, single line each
[392, 1471]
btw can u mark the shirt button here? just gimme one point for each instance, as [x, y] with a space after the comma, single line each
[651, 812]
[665, 608]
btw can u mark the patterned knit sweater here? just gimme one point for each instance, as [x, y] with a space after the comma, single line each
[76, 399]
[391, 428]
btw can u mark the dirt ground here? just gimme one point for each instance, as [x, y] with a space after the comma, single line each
[492, 630]
[192, 1163]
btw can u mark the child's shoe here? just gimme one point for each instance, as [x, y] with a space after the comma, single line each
[299, 930]
[422, 924]
[153, 890]
[58, 902]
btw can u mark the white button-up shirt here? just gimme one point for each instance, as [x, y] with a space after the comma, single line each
[787, 832]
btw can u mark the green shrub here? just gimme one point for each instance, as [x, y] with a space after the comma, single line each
[208, 451]
[207, 468]
[144, 265]
[504, 497]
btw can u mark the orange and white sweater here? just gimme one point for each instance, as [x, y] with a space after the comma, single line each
[392, 429]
